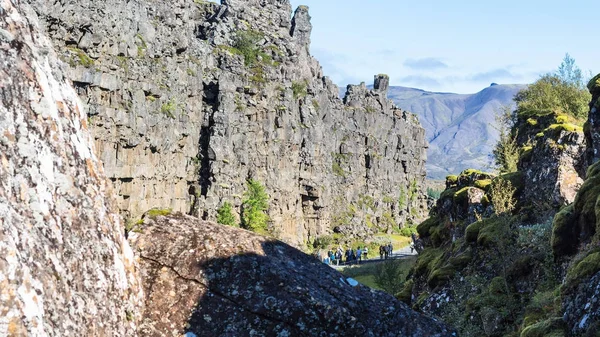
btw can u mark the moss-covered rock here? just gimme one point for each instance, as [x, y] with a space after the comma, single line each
[578, 222]
[405, 295]
[594, 84]
[451, 181]
[424, 227]
[493, 230]
[516, 179]
[581, 271]
[564, 232]
[555, 129]
[440, 275]
[483, 184]
[427, 261]
[472, 231]
[153, 213]
[553, 327]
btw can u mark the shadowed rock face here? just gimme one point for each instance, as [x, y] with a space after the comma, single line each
[214, 280]
[65, 266]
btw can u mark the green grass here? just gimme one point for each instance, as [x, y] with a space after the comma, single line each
[367, 280]
[365, 273]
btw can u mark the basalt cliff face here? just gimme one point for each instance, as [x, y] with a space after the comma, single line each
[189, 99]
[65, 266]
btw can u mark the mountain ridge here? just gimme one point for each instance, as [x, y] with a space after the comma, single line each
[458, 127]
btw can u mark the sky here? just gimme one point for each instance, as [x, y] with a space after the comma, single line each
[451, 46]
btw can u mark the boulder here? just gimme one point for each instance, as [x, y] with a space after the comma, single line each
[212, 280]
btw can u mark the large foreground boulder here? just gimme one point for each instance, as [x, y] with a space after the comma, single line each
[65, 267]
[213, 280]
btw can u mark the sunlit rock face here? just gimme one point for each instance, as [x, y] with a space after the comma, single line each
[183, 114]
[65, 266]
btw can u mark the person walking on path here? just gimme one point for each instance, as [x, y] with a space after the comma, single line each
[366, 252]
[358, 255]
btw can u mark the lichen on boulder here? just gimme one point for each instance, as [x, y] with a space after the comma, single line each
[215, 280]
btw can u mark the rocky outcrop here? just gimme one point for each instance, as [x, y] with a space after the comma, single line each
[65, 266]
[554, 168]
[575, 240]
[189, 99]
[223, 281]
[592, 129]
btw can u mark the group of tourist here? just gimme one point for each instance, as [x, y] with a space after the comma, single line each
[385, 251]
[350, 256]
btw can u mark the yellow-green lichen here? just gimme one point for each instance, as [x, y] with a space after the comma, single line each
[483, 183]
[562, 119]
[564, 127]
[158, 212]
[532, 121]
[451, 180]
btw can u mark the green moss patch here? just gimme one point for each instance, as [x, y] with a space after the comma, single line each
[424, 227]
[451, 180]
[516, 179]
[158, 212]
[483, 184]
[553, 327]
[472, 231]
[405, 295]
[581, 271]
[594, 84]
[492, 231]
[564, 232]
[532, 121]
[555, 129]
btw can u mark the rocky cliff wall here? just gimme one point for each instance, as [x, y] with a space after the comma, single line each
[189, 99]
[65, 266]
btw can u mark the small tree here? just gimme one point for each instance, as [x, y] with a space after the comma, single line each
[563, 92]
[225, 215]
[502, 194]
[506, 151]
[389, 276]
[254, 205]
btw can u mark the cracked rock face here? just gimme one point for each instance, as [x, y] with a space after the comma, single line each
[65, 266]
[215, 280]
[181, 119]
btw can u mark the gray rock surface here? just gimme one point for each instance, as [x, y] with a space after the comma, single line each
[182, 117]
[214, 280]
[65, 267]
[554, 171]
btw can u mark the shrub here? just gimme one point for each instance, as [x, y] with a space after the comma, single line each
[502, 195]
[254, 206]
[560, 92]
[389, 275]
[433, 193]
[168, 108]
[408, 231]
[506, 151]
[246, 44]
[299, 89]
[322, 242]
[225, 215]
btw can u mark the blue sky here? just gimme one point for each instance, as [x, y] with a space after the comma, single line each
[454, 46]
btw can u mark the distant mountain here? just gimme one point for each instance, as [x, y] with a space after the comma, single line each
[459, 127]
